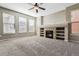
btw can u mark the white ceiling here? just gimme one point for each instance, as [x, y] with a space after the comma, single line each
[23, 8]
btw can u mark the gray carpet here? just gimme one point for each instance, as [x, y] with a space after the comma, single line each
[38, 46]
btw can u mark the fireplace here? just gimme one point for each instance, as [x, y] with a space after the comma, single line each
[49, 34]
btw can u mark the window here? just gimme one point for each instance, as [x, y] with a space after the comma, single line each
[31, 25]
[8, 23]
[22, 25]
[75, 21]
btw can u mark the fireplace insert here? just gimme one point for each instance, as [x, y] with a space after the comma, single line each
[49, 34]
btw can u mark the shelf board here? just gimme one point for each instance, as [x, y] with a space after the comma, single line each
[60, 33]
[60, 36]
[41, 34]
[41, 31]
[59, 30]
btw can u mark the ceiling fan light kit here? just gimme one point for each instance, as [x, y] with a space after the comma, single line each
[35, 7]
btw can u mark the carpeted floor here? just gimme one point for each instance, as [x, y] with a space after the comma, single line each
[38, 46]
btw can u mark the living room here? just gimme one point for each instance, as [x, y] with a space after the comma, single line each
[39, 29]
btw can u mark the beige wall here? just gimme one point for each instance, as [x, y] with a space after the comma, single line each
[16, 14]
[56, 18]
[38, 24]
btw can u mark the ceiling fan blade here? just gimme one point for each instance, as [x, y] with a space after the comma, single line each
[30, 4]
[40, 3]
[36, 10]
[31, 8]
[42, 8]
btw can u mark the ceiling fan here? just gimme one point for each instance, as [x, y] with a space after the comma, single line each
[36, 7]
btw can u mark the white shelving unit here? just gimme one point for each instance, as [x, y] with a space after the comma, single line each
[60, 31]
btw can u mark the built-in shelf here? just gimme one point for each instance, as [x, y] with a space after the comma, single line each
[42, 32]
[60, 36]
[60, 33]
[59, 28]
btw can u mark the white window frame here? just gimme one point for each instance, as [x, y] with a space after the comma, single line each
[8, 23]
[22, 24]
